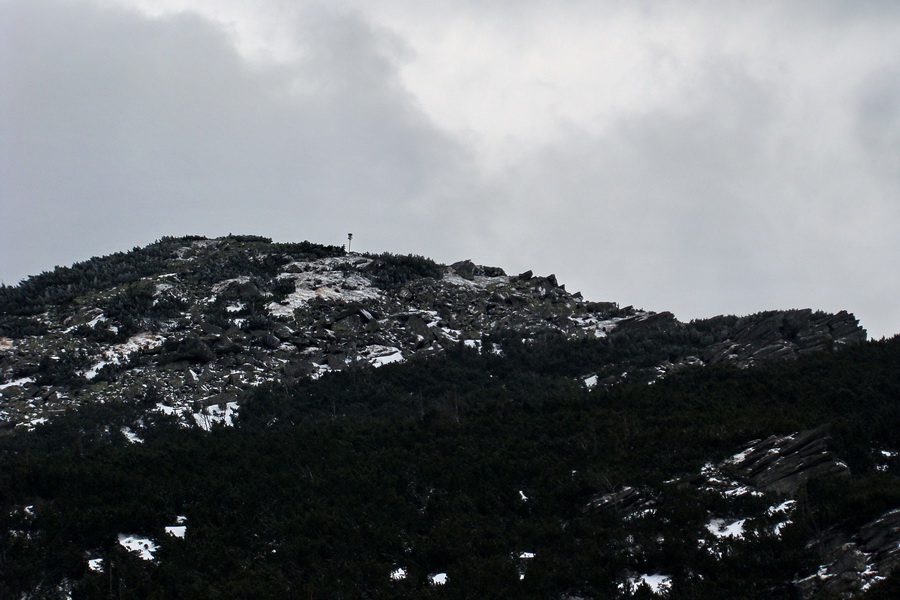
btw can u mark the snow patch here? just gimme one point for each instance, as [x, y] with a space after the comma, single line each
[741, 491]
[454, 279]
[593, 325]
[176, 530]
[398, 574]
[17, 382]
[216, 414]
[781, 509]
[378, 356]
[437, 579]
[117, 353]
[778, 509]
[723, 529]
[96, 565]
[227, 282]
[144, 547]
[179, 528]
[658, 584]
[131, 436]
[451, 334]
[323, 279]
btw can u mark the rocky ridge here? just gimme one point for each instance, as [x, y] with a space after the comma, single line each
[195, 323]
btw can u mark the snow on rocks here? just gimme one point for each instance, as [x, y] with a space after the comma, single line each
[437, 579]
[378, 356]
[714, 480]
[854, 562]
[456, 280]
[118, 353]
[781, 464]
[781, 510]
[96, 565]
[17, 383]
[323, 279]
[206, 418]
[216, 414]
[596, 326]
[476, 344]
[222, 285]
[398, 574]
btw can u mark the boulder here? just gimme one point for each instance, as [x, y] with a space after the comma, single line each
[523, 276]
[190, 349]
[465, 269]
[226, 345]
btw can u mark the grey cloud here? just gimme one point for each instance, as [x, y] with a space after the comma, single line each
[703, 212]
[116, 129]
[878, 120]
[126, 129]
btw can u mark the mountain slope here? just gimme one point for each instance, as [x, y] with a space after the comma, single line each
[191, 323]
[534, 461]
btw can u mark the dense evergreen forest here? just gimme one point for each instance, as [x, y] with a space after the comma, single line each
[364, 483]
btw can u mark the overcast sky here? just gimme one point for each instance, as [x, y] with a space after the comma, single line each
[699, 157]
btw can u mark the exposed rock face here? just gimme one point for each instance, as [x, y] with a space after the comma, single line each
[628, 498]
[775, 468]
[785, 334]
[853, 562]
[783, 464]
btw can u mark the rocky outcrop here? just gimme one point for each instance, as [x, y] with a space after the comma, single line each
[646, 320]
[221, 316]
[852, 562]
[785, 334]
[465, 269]
[781, 464]
[626, 499]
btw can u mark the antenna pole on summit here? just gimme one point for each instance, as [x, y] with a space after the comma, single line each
[349, 239]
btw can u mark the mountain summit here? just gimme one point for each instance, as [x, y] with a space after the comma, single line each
[192, 323]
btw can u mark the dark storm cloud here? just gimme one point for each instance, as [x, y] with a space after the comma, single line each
[119, 129]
